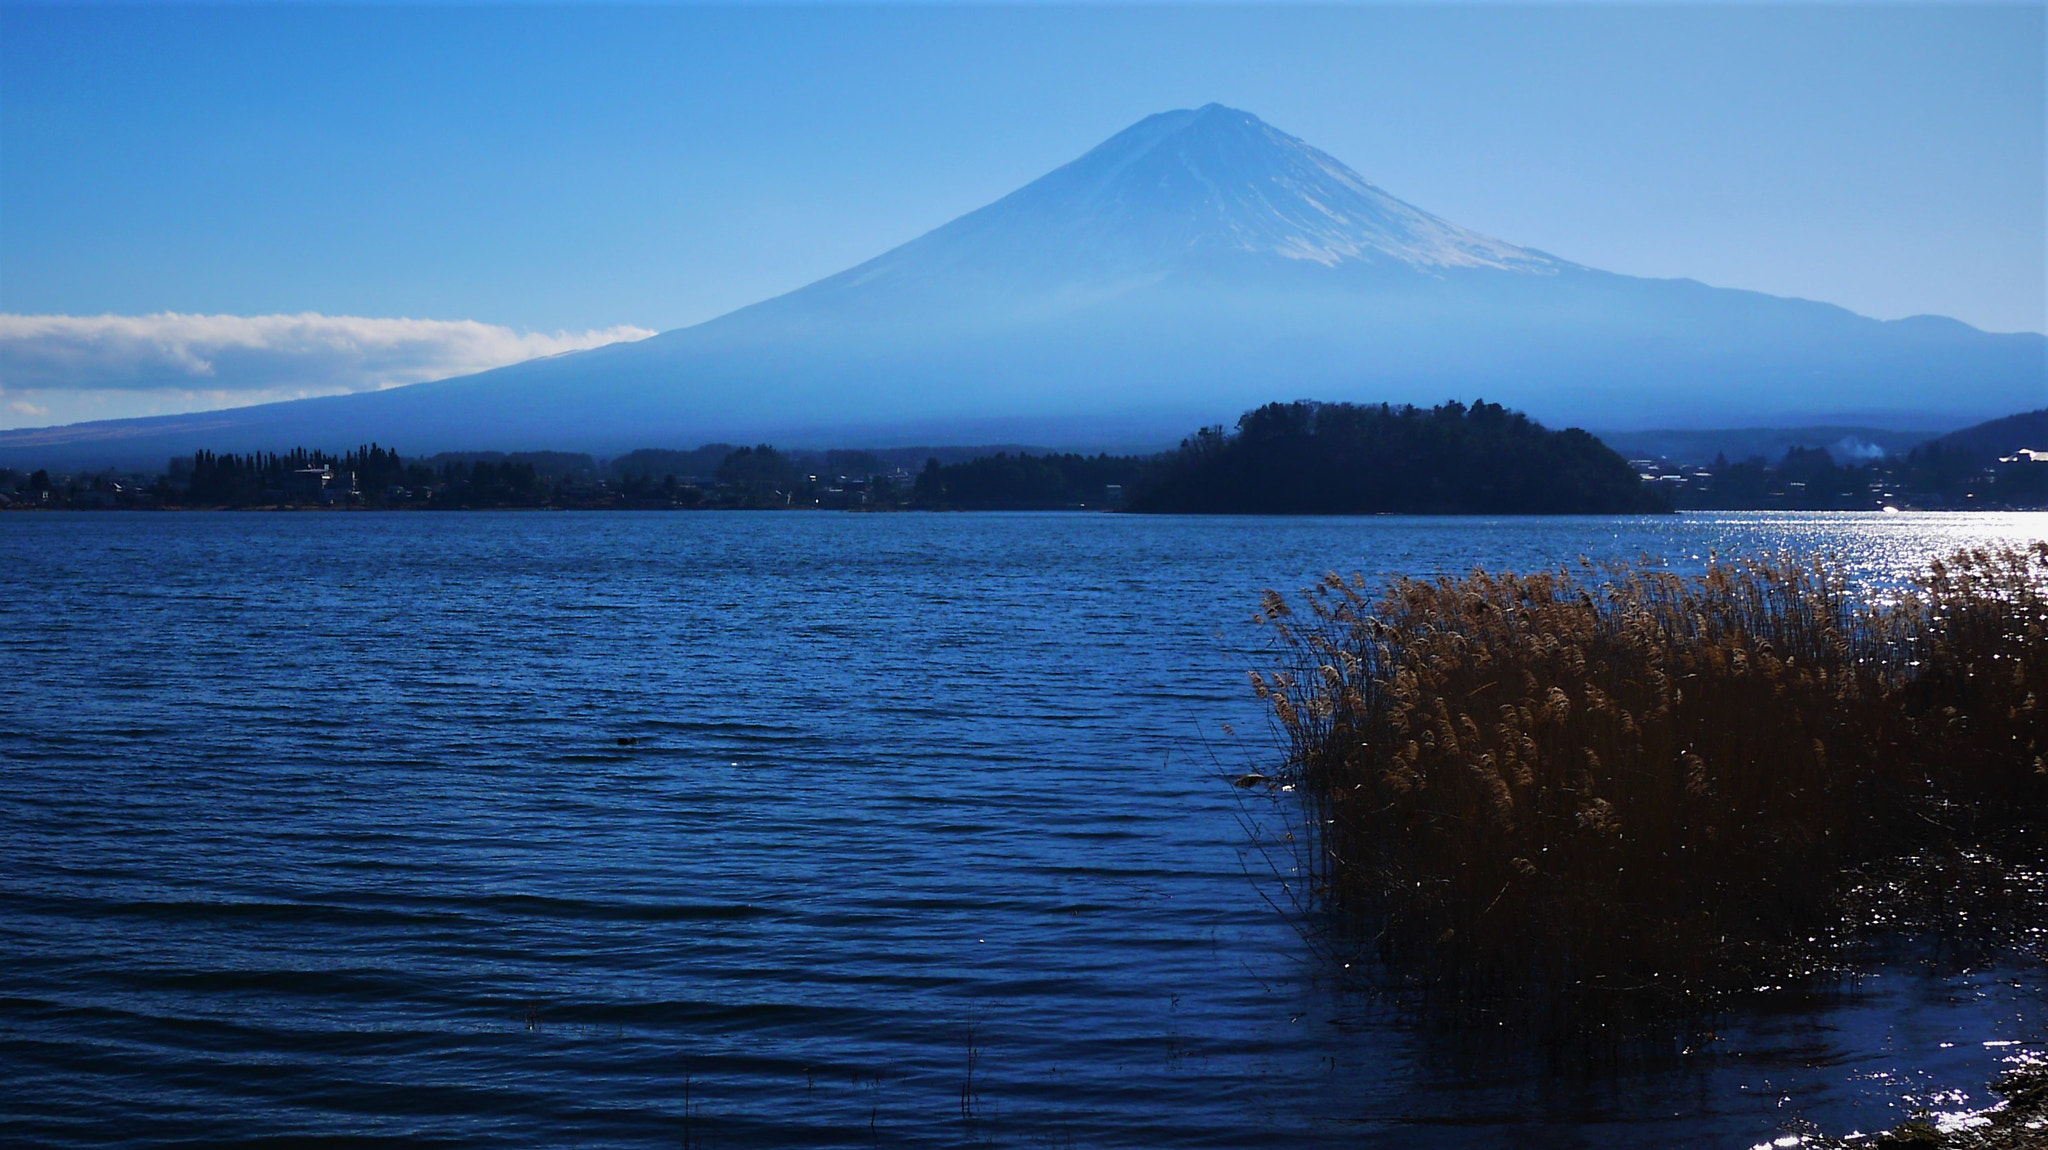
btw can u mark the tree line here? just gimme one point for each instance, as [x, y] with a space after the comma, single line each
[1282, 458]
[1309, 458]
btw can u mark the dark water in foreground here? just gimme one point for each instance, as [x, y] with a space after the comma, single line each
[320, 826]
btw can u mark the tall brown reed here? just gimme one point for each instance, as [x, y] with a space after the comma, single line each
[1622, 782]
[1979, 637]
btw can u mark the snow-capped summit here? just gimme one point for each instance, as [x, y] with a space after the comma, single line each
[1190, 184]
[1217, 178]
[1195, 264]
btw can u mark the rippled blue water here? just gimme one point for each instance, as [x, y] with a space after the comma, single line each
[730, 829]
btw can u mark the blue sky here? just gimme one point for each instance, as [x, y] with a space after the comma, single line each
[580, 171]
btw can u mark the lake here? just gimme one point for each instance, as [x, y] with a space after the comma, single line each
[532, 829]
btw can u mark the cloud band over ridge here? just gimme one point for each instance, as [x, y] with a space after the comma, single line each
[64, 369]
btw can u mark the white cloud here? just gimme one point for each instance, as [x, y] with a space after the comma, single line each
[112, 366]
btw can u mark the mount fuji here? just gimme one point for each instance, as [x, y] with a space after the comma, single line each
[1194, 265]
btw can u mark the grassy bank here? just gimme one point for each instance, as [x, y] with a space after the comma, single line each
[1620, 789]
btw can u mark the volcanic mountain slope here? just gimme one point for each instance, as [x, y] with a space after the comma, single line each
[1192, 266]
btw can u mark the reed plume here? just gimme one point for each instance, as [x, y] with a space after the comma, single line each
[1623, 782]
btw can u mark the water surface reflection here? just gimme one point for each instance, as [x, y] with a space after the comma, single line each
[766, 830]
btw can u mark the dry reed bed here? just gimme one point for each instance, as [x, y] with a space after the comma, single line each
[1637, 787]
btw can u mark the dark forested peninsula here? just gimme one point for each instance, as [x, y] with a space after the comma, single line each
[1347, 459]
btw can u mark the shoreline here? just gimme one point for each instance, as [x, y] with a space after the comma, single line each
[1956, 512]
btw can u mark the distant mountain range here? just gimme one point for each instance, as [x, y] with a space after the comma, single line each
[1193, 266]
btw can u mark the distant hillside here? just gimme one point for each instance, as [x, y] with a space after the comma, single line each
[1346, 459]
[1984, 443]
[1845, 444]
[1960, 470]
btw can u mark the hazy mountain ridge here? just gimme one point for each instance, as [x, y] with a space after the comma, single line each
[1999, 437]
[1195, 265]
